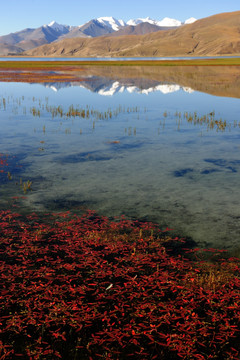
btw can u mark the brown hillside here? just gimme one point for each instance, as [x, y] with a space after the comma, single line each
[140, 29]
[6, 49]
[215, 35]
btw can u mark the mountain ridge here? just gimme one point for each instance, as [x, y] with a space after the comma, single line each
[29, 38]
[214, 35]
[139, 29]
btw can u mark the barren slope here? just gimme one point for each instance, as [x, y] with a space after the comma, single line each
[140, 29]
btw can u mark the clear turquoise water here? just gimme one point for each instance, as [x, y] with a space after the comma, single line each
[147, 163]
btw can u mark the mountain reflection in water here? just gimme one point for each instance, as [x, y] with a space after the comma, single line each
[109, 87]
[107, 80]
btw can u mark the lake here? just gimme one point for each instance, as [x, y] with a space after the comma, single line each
[22, 58]
[158, 145]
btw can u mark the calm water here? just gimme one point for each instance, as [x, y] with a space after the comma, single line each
[137, 153]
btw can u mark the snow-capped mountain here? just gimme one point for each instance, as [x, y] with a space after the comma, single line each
[58, 27]
[112, 22]
[191, 20]
[106, 25]
[135, 22]
[166, 22]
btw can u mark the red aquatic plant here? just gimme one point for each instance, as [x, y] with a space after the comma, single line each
[88, 288]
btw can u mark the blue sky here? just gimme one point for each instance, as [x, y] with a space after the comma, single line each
[16, 15]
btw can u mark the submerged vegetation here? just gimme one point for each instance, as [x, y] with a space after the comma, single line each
[88, 288]
[7, 161]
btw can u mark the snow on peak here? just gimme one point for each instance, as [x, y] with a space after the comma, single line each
[135, 22]
[111, 22]
[169, 22]
[58, 27]
[52, 23]
[117, 24]
[164, 22]
[190, 20]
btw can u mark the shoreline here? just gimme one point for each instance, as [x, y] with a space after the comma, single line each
[233, 61]
[199, 75]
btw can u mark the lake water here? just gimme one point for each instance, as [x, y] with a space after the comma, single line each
[22, 58]
[158, 148]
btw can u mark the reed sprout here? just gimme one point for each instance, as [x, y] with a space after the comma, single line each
[206, 119]
[27, 186]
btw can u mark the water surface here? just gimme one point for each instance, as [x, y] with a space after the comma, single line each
[154, 145]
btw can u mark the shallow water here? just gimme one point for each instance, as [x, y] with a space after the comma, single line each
[22, 58]
[137, 154]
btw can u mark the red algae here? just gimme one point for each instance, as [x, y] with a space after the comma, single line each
[90, 288]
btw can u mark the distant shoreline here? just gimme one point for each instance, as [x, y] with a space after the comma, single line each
[66, 64]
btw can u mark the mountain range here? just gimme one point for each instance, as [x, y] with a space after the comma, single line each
[214, 35]
[16, 43]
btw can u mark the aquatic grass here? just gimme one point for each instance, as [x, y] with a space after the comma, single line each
[25, 186]
[40, 108]
[35, 112]
[207, 119]
[7, 161]
[81, 112]
[89, 112]
[90, 288]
